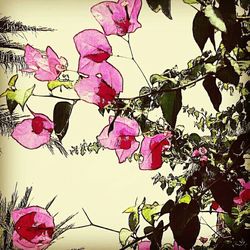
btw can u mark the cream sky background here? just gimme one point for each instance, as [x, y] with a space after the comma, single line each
[95, 182]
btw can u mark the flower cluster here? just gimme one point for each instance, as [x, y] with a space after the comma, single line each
[201, 154]
[33, 228]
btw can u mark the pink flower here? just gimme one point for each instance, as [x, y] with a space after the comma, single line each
[177, 247]
[215, 206]
[144, 245]
[33, 228]
[46, 67]
[93, 45]
[118, 18]
[100, 90]
[244, 195]
[203, 160]
[196, 153]
[33, 133]
[202, 151]
[121, 138]
[151, 150]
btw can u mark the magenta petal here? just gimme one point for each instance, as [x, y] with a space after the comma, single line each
[177, 247]
[43, 75]
[31, 57]
[151, 150]
[107, 71]
[246, 185]
[144, 245]
[123, 154]
[121, 138]
[118, 18]
[196, 153]
[24, 133]
[93, 44]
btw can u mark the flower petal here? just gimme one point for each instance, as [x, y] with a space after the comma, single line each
[93, 44]
[151, 150]
[123, 154]
[24, 135]
[31, 57]
[118, 18]
[144, 245]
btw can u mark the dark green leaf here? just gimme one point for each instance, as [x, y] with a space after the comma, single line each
[228, 75]
[245, 4]
[232, 37]
[223, 194]
[164, 5]
[227, 10]
[170, 103]
[133, 221]
[170, 190]
[185, 224]
[167, 208]
[213, 91]
[61, 115]
[193, 137]
[156, 237]
[202, 30]
[11, 104]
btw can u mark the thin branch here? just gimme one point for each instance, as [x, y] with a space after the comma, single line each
[58, 97]
[164, 90]
[136, 63]
[91, 224]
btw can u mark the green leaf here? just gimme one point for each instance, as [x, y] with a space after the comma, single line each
[190, 1]
[244, 4]
[170, 103]
[185, 199]
[157, 78]
[213, 91]
[215, 18]
[124, 235]
[133, 220]
[164, 5]
[202, 30]
[167, 207]
[130, 210]
[185, 224]
[149, 212]
[57, 83]
[12, 81]
[61, 115]
[223, 194]
[18, 96]
[228, 75]
[209, 68]
[193, 137]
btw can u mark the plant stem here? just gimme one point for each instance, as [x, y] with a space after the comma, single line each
[136, 63]
[164, 90]
[91, 224]
[58, 97]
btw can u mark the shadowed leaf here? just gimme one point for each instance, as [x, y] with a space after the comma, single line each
[164, 5]
[61, 115]
[213, 91]
[202, 30]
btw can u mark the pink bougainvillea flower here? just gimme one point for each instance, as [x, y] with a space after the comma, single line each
[121, 138]
[215, 206]
[93, 45]
[244, 195]
[118, 18]
[33, 228]
[201, 154]
[103, 89]
[151, 150]
[46, 67]
[202, 151]
[177, 247]
[144, 245]
[33, 133]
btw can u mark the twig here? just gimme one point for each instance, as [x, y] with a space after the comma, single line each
[94, 225]
[58, 97]
[163, 90]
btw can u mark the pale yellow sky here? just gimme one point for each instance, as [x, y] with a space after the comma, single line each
[96, 182]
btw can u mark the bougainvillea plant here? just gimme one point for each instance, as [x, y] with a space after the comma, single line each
[215, 176]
